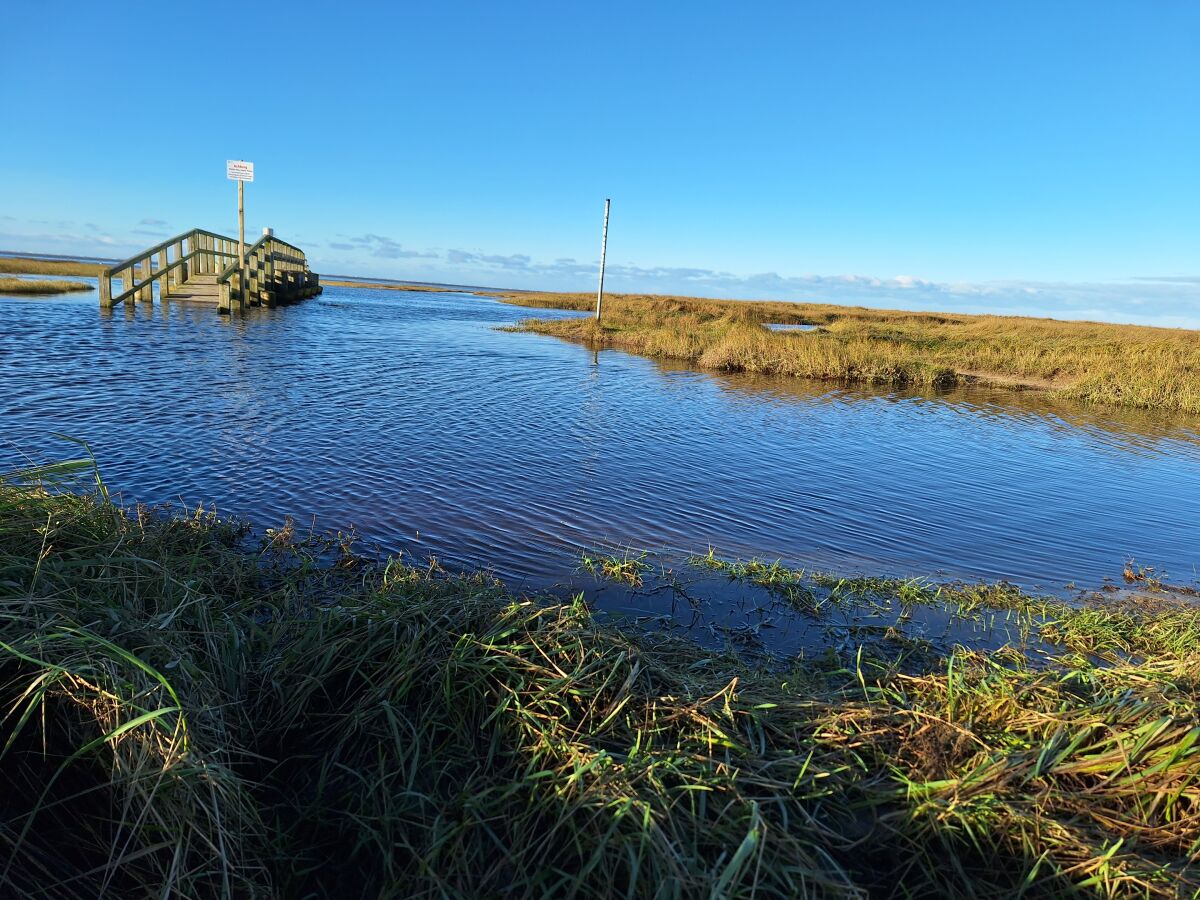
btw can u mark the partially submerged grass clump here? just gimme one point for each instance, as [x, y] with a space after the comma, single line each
[40, 286]
[1125, 365]
[190, 714]
[627, 568]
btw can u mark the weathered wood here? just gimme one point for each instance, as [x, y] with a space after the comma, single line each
[205, 267]
[164, 289]
[146, 292]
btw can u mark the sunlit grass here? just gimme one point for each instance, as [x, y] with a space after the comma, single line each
[40, 286]
[1115, 364]
[192, 712]
[29, 266]
[629, 568]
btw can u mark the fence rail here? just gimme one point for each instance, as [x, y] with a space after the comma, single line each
[271, 270]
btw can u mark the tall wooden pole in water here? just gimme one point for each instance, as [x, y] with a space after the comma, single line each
[241, 245]
[603, 250]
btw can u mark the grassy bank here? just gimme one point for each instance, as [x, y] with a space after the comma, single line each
[187, 713]
[415, 288]
[26, 266]
[40, 286]
[381, 286]
[1115, 364]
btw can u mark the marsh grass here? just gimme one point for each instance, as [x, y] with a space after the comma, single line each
[628, 568]
[189, 711]
[28, 266]
[381, 286]
[1124, 365]
[40, 286]
[1135, 627]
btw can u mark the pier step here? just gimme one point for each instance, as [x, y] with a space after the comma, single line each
[201, 288]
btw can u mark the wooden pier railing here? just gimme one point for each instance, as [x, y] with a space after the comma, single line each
[202, 265]
[271, 272]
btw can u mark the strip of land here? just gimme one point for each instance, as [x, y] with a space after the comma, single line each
[40, 286]
[1125, 365]
[24, 265]
[383, 286]
[189, 713]
[417, 288]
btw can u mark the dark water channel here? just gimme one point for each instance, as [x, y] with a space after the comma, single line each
[410, 418]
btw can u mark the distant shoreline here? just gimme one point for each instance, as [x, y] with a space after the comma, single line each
[26, 263]
[36, 265]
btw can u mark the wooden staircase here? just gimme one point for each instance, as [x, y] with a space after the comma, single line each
[204, 267]
[198, 288]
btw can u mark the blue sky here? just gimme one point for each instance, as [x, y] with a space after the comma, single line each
[1013, 157]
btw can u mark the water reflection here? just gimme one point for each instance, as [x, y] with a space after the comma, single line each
[1124, 429]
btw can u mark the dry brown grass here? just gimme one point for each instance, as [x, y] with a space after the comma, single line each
[25, 266]
[1126, 365]
[416, 288]
[41, 286]
[380, 286]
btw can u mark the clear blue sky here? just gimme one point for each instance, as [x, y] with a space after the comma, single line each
[1032, 157]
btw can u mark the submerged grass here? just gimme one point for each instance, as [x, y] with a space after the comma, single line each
[1129, 627]
[187, 713]
[40, 286]
[1125, 365]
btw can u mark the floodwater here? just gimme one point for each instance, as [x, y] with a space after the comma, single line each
[410, 418]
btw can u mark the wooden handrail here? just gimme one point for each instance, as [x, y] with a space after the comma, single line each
[133, 260]
[238, 264]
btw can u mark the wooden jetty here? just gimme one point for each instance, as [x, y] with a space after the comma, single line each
[204, 267]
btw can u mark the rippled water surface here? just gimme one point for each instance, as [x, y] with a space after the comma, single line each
[409, 417]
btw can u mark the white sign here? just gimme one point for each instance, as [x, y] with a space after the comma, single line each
[239, 170]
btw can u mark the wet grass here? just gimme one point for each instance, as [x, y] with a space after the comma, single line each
[628, 568]
[1123, 365]
[40, 286]
[192, 712]
[1097, 628]
[27, 266]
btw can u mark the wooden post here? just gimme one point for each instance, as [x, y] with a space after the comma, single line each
[146, 294]
[104, 282]
[603, 250]
[241, 261]
[252, 281]
[164, 289]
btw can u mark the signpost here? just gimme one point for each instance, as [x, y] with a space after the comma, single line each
[240, 171]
